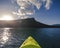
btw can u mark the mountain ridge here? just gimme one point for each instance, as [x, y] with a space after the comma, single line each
[25, 23]
[29, 22]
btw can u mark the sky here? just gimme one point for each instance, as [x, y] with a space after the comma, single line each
[47, 14]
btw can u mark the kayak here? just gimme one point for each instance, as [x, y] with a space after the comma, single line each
[30, 42]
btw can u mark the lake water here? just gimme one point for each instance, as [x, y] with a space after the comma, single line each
[14, 37]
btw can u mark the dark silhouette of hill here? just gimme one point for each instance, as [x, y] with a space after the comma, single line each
[29, 22]
[56, 26]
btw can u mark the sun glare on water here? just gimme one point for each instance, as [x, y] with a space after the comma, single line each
[7, 17]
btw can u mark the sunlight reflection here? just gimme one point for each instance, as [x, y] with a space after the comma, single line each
[5, 35]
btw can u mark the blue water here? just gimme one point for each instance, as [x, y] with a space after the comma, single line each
[14, 37]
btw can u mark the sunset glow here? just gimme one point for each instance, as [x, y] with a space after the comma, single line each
[6, 17]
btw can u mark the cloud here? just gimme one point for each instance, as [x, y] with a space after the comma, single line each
[36, 3]
[27, 6]
[48, 3]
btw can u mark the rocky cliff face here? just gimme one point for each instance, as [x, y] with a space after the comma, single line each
[29, 22]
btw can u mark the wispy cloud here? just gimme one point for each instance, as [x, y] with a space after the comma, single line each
[48, 3]
[27, 6]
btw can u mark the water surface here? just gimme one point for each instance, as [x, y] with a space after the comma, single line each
[14, 37]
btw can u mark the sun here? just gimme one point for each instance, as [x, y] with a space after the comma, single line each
[7, 17]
